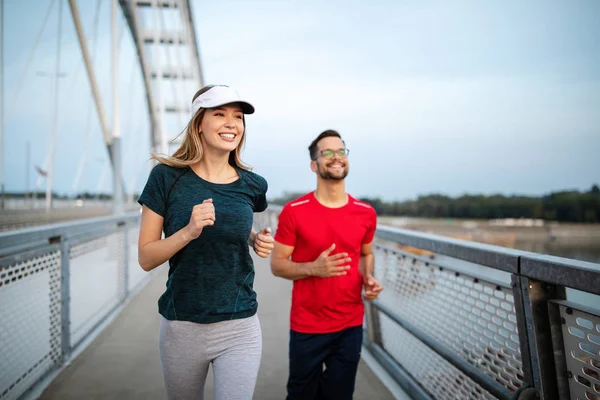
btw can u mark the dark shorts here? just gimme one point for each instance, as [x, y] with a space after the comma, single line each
[338, 352]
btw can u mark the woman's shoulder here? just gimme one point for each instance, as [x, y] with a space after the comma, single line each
[167, 172]
[254, 180]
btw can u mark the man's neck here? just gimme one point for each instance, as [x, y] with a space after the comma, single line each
[331, 193]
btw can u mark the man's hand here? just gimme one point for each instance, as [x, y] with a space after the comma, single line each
[202, 215]
[372, 288]
[326, 266]
[263, 243]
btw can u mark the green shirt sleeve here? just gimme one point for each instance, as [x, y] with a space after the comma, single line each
[154, 194]
[260, 202]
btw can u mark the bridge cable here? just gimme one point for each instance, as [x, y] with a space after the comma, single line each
[30, 58]
[88, 129]
[50, 151]
[55, 119]
[131, 148]
[177, 96]
[81, 63]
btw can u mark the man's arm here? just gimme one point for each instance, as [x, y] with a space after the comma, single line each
[367, 266]
[367, 260]
[324, 266]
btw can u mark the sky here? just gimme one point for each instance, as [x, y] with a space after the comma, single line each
[429, 96]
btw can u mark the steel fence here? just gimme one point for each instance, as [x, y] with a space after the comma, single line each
[58, 283]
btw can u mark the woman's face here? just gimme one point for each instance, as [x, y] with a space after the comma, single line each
[223, 127]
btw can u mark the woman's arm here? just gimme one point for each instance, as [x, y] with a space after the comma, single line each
[154, 251]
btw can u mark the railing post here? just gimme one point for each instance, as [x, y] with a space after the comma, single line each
[556, 329]
[522, 329]
[126, 261]
[373, 324]
[65, 299]
[535, 296]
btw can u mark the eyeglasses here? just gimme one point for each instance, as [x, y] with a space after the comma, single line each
[328, 153]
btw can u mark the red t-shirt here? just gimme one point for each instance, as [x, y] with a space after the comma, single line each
[323, 305]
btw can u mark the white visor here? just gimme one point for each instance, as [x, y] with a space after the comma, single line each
[218, 96]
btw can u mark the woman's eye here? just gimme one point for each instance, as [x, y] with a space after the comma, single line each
[239, 117]
[219, 114]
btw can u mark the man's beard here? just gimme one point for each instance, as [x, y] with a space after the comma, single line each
[326, 175]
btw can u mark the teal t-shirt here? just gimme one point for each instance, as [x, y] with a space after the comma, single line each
[211, 279]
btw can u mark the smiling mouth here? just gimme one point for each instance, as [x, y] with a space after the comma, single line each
[228, 136]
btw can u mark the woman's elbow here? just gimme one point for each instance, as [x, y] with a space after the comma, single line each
[145, 266]
[144, 263]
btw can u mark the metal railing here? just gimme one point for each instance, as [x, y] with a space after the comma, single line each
[464, 320]
[58, 284]
[490, 314]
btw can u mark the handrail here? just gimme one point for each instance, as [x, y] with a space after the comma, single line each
[485, 254]
[22, 239]
[579, 275]
[575, 274]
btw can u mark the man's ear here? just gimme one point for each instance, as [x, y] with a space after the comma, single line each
[313, 166]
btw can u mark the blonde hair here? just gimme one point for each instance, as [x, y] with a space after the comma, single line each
[191, 150]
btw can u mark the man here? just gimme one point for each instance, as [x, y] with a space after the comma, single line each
[324, 243]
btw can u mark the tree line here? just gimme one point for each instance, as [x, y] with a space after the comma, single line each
[60, 196]
[563, 206]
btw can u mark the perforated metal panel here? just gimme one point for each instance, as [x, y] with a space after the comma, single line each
[30, 340]
[436, 375]
[581, 338]
[89, 246]
[474, 318]
[31, 296]
[94, 281]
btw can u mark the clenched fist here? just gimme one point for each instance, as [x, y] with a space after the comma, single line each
[202, 215]
[263, 243]
[372, 288]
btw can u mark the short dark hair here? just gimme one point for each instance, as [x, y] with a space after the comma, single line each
[312, 149]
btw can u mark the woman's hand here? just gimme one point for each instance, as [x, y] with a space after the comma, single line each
[202, 215]
[263, 243]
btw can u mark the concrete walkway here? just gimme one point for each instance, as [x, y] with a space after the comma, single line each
[123, 362]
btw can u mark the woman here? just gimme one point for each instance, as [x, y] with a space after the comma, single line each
[203, 198]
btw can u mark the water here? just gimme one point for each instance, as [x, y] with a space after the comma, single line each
[584, 252]
[575, 241]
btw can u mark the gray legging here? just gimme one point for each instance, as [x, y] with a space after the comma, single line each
[233, 347]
